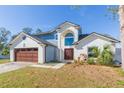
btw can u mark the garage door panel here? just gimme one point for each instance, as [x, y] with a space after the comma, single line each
[34, 54]
[35, 60]
[28, 55]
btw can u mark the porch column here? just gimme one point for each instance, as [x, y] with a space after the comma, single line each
[41, 54]
[59, 47]
[12, 57]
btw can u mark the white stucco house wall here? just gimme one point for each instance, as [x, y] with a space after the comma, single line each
[64, 43]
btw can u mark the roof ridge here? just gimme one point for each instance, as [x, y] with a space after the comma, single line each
[57, 27]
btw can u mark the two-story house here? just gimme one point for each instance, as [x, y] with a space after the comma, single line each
[64, 43]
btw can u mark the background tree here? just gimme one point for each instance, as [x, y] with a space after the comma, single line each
[121, 18]
[120, 10]
[4, 33]
[38, 31]
[5, 51]
[27, 30]
[14, 36]
[4, 36]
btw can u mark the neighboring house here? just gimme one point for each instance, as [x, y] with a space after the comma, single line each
[64, 43]
[4, 57]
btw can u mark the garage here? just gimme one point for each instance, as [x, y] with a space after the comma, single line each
[29, 48]
[26, 54]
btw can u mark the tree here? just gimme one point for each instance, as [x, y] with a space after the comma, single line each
[38, 31]
[4, 36]
[113, 10]
[121, 19]
[5, 51]
[4, 33]
[27, 30]
[14, 36]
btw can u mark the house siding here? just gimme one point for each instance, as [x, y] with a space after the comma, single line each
[47, 52]
[50, 38]
[82, 47]
[118, 55]
[55, 42]
[27, 43]
[50, 53]
[61, 39]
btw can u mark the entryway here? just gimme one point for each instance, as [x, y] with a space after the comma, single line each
[68, 53]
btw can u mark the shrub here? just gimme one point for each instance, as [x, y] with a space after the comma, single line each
[75, 61]
[100, 61]
[90, 61]
[81, 62]
[106, 57]
[78, 61]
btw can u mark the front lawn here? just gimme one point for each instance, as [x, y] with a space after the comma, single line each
[4, 61]
[69, 76]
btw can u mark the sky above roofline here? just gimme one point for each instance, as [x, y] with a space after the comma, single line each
[90, 18]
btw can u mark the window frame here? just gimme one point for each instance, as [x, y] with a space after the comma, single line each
[69, 37]
[90, 54]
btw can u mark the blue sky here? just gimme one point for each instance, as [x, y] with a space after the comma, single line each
[90, 18]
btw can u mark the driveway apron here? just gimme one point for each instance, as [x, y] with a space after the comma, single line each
[12, 66]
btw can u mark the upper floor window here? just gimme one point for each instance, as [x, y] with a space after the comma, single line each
[69, 39]
[56, 36]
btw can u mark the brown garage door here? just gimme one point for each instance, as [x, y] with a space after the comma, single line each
[26, 55]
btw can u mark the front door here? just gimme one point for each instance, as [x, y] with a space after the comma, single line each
[68, 54]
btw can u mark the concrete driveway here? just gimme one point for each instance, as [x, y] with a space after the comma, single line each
[7, 67]
[13, 66]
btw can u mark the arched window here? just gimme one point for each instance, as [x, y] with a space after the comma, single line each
[69, 39]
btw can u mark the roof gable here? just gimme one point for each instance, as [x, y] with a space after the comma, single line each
[56, 29]
[107, 37]
[85, 36]
[40, 41]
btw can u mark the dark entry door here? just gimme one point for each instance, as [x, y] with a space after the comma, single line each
[68, 54]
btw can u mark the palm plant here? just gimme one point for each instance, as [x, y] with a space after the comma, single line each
[94, 52]
[106, 56]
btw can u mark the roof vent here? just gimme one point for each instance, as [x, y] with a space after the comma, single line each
[24, 37]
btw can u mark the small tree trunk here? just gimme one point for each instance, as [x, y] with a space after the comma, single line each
[121, 19]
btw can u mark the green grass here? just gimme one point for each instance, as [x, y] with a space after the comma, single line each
[4, 61]
[69, 76]
[120, 82]
[121, 73]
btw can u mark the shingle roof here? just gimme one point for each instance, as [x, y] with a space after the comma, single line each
[58, 27]
[83, 36]
[42, 41]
